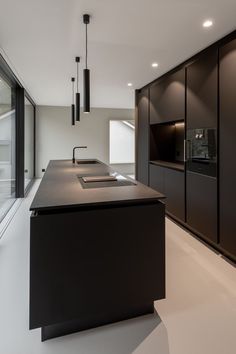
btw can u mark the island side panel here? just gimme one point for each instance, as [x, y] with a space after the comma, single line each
[94, 262]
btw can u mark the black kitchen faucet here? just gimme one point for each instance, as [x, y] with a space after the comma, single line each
[77, 147]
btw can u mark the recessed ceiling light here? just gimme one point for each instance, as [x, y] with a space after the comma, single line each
[207, 23]
[154, 65]
[130, 84]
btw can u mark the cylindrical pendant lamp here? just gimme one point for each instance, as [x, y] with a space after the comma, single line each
[73, 102]
[86, 19]
[77, 95]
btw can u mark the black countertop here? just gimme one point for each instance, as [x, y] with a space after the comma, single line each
[60, 188]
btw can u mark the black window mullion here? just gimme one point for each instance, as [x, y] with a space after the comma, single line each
[20, 138]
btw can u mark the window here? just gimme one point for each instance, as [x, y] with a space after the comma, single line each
[7, 147]
[17, 131]
[122, 139]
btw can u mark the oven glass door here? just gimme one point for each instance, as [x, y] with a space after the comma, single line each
[202, 151]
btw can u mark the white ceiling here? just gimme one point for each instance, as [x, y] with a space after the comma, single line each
[42, 37]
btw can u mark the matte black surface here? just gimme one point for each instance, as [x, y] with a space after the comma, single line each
[167, 98]
[77, 100]
[228, 147]
[175, 192]
[171, 183]
[202, 91]
[202, 204]
[91, 262]
[86, 90]
[72, 114]
[142, 143]
[73, 104]
[86, 19]
[212, 109]
[92, 321]
[20, 146]
[60, 188]
[202, 106]
[156, 179]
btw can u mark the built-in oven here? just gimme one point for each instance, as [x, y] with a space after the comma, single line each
[201, 151]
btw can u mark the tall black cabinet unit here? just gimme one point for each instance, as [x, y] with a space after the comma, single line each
[142, 131]
[227, 152]
[201, 189]
[167, 114]
[195, 103]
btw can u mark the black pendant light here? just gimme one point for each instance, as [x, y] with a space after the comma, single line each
[86, 19]
[73, 102]
[77, 95]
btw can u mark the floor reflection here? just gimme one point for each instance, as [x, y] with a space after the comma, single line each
[142, 335]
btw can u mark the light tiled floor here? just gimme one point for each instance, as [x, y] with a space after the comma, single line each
[197, 317]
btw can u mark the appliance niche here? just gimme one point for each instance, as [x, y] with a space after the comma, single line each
[167, 143]
[202, 151]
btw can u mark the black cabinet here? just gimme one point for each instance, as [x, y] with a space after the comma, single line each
[171, 183]
[156, 179]
[228, 147]
[201, 204]
[80, 280]
[202, 111]
[142, 135]
[201, 94]
[175, 193]
[167, 98]
[202, 91]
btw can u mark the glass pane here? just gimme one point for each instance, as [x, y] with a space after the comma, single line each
[7, 147]
[29, 142]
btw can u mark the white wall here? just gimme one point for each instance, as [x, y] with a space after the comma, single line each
[121, 142]
[56, 137]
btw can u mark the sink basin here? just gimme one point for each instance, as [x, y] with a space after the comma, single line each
[86, 162]
[92, 179]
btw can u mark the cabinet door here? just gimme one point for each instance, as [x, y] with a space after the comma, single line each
[175, 193]
[228, 147]
[167, 98]
[142, 135]
[201, 195]
[202, 91]
[156, 178]
[171, 184]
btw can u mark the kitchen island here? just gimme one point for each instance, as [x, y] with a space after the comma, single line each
[97, 248]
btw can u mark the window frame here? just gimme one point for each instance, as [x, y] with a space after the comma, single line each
[9, 76]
